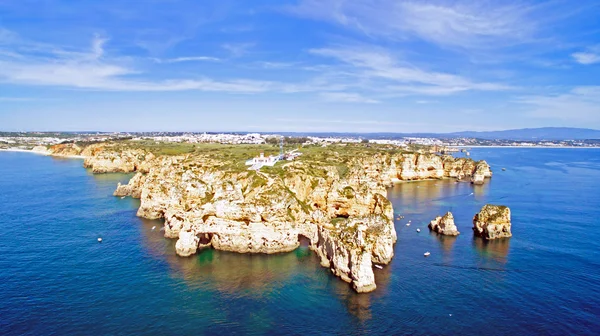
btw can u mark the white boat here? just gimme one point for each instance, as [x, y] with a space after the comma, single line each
[154, 227]
[418, 230]
[122, 197]
[407, 224]
[379, 266]
[99, 240]
[503, 169]
[426, 254]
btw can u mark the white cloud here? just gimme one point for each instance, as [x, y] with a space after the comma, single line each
[237, 49]
[384, 73]
[580, 104]
[346, 97]
[30, 63]
[187, 59]
[464, 24]
[15, 99]
[590, 56]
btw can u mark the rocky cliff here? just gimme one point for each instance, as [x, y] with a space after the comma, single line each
[106, 158]
[416, 166]
[492, 222]
[336, 198]
[348, 223]
[444, 225]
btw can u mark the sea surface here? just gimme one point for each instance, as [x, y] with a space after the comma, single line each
[56, 279]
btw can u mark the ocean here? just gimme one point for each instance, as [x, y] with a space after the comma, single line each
[57, 279]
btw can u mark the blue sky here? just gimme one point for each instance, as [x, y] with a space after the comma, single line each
[298, 65]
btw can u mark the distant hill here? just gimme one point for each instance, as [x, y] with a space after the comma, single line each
[524, 134]
[544, 133]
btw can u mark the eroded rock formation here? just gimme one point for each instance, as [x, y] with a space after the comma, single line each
[337, 201]
[444, 225]
[492, 222]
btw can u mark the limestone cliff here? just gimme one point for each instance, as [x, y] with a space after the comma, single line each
[255, 212]
[417, 166]
[108, 160]
[65, 150]
[444, 225]
[493, 221]
[333, 197]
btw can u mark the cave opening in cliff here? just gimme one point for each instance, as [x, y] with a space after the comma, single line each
[304, 241]
[205, 238]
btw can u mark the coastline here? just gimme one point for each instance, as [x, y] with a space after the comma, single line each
[18, 150]
[497, 146]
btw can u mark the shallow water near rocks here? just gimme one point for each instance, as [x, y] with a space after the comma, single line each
[55, 278]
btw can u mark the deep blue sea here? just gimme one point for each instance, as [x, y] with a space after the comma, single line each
[55, 278]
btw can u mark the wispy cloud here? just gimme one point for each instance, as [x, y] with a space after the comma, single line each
[346, 97]
[464, 24]
[576, 105]
[397, 77]
[590, 56]
[237, 49]
[93, 69]
[187, 59]
[16, 99]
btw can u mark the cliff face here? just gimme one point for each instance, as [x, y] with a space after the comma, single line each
[492, 222]
[349, 224]
[106, 158]
[65, 150]
[336, 200]
[415, 166]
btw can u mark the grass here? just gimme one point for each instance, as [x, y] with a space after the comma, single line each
[316, 161]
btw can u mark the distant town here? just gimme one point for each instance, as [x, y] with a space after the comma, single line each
[26, 140]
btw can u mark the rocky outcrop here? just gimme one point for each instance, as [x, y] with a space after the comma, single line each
[418, 166]
[350, 247]
[492, 222]
[133, 188]
[444, 225]
[337, 201]
[40, 150]
[67, 150]
[107, 160]
[482, 170]
[187, 244]
[347, 219]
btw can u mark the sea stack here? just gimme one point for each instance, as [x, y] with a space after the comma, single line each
[482, 170]
[444, 225]
[493, 221]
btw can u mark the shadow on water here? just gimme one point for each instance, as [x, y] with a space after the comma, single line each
[496, 249]
[260, 276]
[446, 242]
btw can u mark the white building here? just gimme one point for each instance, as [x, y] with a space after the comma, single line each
[262, 160]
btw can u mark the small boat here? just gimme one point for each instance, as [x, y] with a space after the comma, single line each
[426, 254]
[99, 240]
[503, 169]
[154, 227]
[379, 266]
[122, 197]
[407, 224]
[418, 230]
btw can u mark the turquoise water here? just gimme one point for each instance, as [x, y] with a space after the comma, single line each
[55, 278]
